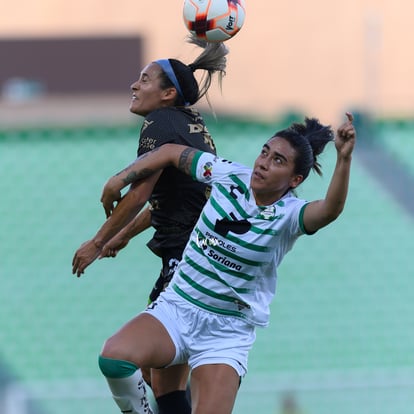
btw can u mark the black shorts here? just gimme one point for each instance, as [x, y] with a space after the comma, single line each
[170, 260]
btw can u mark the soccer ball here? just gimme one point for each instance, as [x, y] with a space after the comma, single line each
[214, 20]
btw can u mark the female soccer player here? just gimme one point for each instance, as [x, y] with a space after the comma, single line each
[163, 94]
[222, 288]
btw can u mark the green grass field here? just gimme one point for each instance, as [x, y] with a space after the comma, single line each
[341, 338]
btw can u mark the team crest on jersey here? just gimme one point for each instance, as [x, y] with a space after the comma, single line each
[208, 170]
[267, 213]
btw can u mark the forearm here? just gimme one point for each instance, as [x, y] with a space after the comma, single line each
[338, 188]
[140, 223]
[123, 213]
[175, 155]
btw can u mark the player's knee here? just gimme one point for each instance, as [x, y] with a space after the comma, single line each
[116, 368]
[112, 349]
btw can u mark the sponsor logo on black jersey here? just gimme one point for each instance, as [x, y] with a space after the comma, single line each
[147, 144]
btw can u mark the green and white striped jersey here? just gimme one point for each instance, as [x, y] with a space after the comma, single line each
[230, 263]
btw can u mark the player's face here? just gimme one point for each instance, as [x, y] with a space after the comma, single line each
[147, 94]
[273, 171]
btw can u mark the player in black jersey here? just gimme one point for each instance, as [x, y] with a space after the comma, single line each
[163, 94]
[176, 199]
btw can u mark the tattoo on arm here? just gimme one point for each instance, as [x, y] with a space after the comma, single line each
[184, 165]
[186, 159]
[137, 175]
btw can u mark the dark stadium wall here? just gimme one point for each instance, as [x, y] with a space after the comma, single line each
[62, 65]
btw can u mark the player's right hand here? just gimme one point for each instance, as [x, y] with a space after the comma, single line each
[110, 196]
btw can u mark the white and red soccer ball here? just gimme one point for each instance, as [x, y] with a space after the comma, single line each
[214, 20]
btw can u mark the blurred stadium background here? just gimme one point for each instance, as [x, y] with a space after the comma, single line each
[341, 338]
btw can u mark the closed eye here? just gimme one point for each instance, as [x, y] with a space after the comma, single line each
[144, 78]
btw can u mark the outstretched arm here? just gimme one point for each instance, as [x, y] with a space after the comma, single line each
[124, 212]
[322, 212]
[140, 223]
[178, 156]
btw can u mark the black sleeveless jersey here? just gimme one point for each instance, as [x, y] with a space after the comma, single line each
[177, 200]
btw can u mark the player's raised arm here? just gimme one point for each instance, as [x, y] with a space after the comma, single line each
[321, 212]
[179, 156]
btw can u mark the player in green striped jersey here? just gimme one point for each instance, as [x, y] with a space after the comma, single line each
[226, 280]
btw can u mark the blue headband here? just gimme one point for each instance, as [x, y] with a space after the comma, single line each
[169, 71]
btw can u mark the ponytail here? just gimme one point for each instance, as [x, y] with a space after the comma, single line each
[212, 60]
[309, 140]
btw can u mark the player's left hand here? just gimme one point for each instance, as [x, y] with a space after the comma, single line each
[113, 246]
[345, 137]
[87, 253]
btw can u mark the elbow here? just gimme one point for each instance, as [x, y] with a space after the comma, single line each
[332, 214]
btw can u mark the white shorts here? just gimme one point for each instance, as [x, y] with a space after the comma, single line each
[202, 337]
